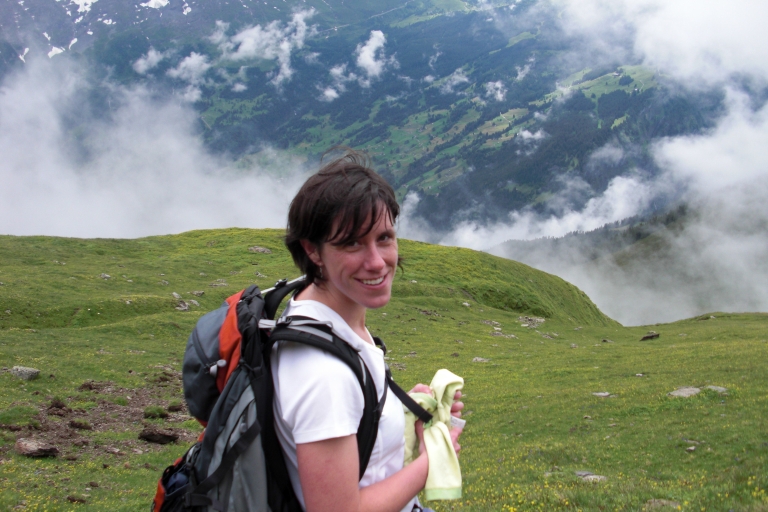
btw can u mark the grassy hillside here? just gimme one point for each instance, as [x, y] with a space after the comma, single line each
[533, 420]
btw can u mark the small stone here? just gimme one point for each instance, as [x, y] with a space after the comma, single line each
[158, 436]
[198, 293]
[75, 499]
[639, 375]
[33, 448]
[594, 478]
[25, 372]
[602, 394]
[480, 360]
[262, 250]
[137, 451]
[573, 345]
[606, 340]
[183, 306]
[685, 392]
[105, 276]
[691, 449]
[465, 304]
[651, 335]
[112, 450]
[176, 296]
[718, 389]
[455, 354]
[93, 484]
[413, 281]
[582, 474]
[164, 282]
[194, 302]
[586, 417]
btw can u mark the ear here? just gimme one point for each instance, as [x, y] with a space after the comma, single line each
[312, 252]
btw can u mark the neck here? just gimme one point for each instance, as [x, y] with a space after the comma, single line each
[351, 312]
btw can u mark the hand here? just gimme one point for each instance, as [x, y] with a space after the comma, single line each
[457, 405]
[421, 388]
[454, 431]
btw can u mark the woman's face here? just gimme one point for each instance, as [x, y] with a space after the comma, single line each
[361, 273]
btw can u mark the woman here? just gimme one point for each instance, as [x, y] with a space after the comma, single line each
[341, 235]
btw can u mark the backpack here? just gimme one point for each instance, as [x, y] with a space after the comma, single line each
[237, 464]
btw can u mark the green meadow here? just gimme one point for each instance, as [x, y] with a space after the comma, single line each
[99, 319]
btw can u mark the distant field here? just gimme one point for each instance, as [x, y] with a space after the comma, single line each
[533, 420]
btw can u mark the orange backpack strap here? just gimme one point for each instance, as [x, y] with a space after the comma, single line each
[229, 341]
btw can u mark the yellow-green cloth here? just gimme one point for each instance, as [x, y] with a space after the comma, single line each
[444, 477]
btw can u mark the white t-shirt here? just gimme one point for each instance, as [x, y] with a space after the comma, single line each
[318, 397]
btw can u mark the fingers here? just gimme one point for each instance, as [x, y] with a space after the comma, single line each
[455, 433]
[421, 388]
[420, 435]
[456, 409]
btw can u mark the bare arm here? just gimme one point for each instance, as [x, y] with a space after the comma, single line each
[328, 471]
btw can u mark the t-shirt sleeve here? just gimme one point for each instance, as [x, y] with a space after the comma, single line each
[319, 396]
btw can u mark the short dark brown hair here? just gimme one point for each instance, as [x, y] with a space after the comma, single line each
[338, 205]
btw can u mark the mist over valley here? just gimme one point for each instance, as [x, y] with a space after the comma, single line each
[494, 121]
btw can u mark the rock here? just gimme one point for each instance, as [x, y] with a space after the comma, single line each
[194, 303]
[691, 449]
[80, 424]
[602, 394]
[573, 345]
[262, 250]
[651, 335]
[176, 296]
[104, 276]
[164, 282]
[112, 450]
[465, 304]
[413, 281]
[658, 503]
[582, 474]
[718, 389]
[218, 283]
[685, 392]
[183, 306]
[594, 478]
[606, 340]
[259, 274]
[480, 360]
[639, 375]
[198, 293]
[158, 436]
[25, 372]
[455, 354]
[530, 321]
[175, 407]
[75, 499]
[33, 448]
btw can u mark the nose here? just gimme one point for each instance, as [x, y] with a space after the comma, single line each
[374, 261]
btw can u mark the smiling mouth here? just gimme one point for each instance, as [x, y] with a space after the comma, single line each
[372, 282]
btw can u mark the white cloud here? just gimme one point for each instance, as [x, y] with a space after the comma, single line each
[83, 5]
[329, 94]
[155, 4]
[274, 41]
[149, 61]
[372, 59]
[239, 87]
[701, 44]
[429, 79]
[495, 90]
[147, 171]
[191, 69]
[456, 78]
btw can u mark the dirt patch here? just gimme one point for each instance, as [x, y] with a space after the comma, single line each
[74, 431]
